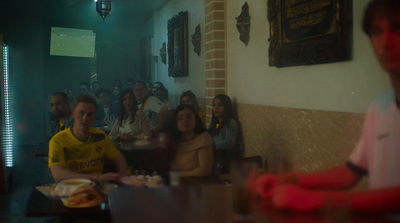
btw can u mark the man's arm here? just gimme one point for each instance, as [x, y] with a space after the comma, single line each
[121, 165]
[60, 173]
[336, 178]
[295, 198]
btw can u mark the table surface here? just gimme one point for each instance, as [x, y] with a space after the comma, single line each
[40, 205]
[211, 203]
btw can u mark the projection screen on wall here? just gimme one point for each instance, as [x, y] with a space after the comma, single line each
[72, 42]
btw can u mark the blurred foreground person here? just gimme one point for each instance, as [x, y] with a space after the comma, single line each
[377, 154]
[80, 151]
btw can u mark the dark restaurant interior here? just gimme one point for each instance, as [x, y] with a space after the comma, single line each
[311, 112]
[26, 28]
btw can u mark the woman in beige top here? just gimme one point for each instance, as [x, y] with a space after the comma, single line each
[131, 122]
[194, 153]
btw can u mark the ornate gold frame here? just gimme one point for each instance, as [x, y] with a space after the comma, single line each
[178, 45]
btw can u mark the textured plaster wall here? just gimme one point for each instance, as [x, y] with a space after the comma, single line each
[310, 140]
[317, 139]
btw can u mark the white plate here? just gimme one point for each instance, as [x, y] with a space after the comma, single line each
[77, 181]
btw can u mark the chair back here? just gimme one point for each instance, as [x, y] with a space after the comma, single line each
[223, 166]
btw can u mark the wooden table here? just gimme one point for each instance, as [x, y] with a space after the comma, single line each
[40, 205]
[171, 204]
[136, 155]
[209, 203]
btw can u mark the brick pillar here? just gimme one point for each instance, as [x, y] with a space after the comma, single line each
[214, 51]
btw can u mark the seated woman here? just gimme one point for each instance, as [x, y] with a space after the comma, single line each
[107, 110]
[189, 98]
[224, 129]
[131, 122]
[194, 152]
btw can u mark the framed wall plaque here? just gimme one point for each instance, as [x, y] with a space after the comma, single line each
[309, 32]
[178, 45]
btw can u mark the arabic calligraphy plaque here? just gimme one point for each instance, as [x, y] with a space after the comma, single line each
[304, 32]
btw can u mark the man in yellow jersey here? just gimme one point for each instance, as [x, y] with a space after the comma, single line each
[61, 111]
[80, 151]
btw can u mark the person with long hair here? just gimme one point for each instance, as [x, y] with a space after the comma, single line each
[194, 148]
[157, 86]
[224, 129]
[131, 122]
[189, 98]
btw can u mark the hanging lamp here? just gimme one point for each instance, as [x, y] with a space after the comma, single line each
[103, 8]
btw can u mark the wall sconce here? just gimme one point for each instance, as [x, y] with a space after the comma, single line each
[103, 8]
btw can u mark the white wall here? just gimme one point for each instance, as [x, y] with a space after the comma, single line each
[344, 86]
[196, 79]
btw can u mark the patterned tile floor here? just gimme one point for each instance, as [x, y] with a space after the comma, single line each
[27, 171]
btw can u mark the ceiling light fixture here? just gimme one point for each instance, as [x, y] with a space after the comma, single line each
[103, 8]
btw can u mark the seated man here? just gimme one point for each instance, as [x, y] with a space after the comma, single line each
[80, 151]
[162, 94]
[154, 109]
[84, 88]
[93, 89]
[377, 154]
[61, 111]
[107, 110]
[130, 84]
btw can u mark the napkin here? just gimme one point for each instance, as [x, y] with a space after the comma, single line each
[47, 190]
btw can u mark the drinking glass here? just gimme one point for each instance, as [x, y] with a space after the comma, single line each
[242, 199]
[174, 178]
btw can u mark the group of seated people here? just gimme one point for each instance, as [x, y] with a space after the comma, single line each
[191, 148]
[79, 150]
